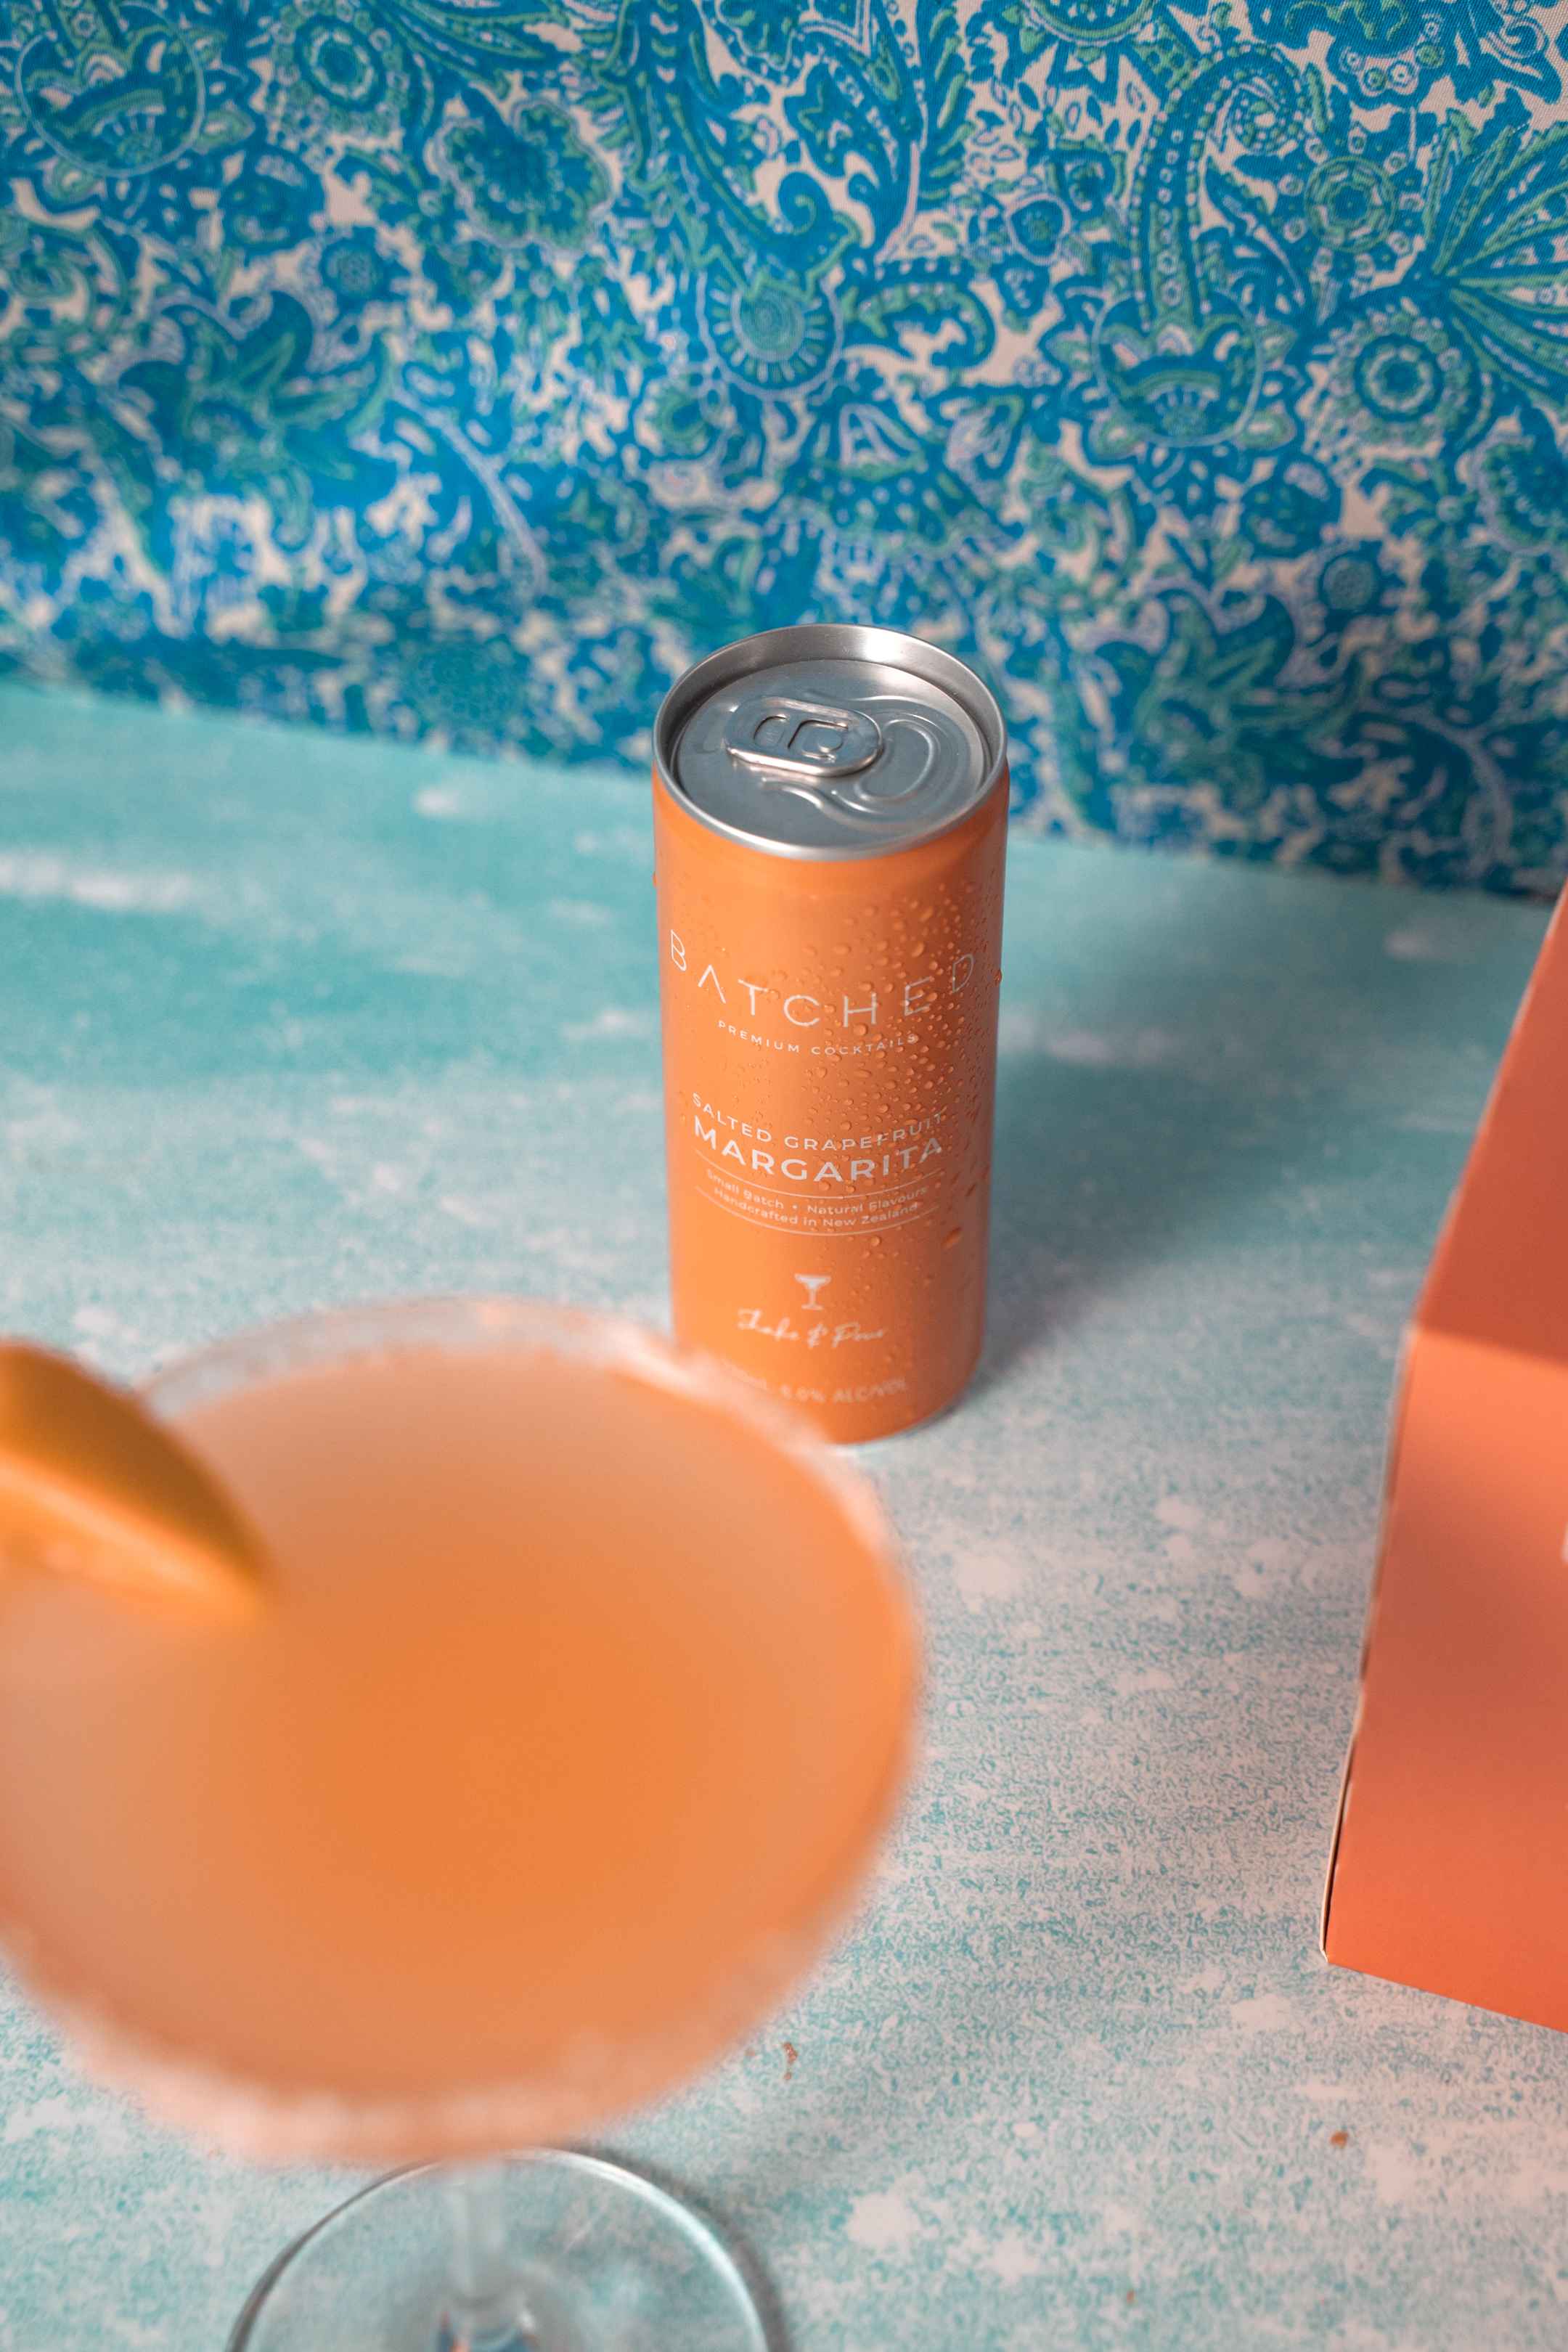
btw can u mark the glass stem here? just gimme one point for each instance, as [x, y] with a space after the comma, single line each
[487, 2309]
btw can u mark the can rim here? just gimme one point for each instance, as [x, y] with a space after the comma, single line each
[829, 641]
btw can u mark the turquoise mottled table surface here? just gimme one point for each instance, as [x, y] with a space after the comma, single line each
[285, 1019]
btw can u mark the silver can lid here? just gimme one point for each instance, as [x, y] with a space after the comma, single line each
[828, 741]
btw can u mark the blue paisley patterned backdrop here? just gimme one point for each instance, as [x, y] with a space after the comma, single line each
[460, 368]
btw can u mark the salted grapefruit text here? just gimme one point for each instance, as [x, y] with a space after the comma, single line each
[814, 1160]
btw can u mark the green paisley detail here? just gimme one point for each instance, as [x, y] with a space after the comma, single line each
[338, 66]
[524, 178]
[488, 33]
[253, 412]
[1350, 203]
[1180, 360]
[62, 294]
[1401, 380]
[769, 333]
[1499, 216]
[1087, 24]
[114, 90]
[1527, 486]
[1212, 700]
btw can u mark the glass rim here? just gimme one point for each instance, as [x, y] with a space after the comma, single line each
[477, 1319]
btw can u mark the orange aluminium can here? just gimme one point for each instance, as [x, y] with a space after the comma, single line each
[830, 812]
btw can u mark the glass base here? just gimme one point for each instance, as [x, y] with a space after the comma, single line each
[553, 2252]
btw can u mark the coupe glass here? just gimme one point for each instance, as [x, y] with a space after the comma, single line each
[491, 2239]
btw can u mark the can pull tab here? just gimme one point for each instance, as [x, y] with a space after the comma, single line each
[801, 742]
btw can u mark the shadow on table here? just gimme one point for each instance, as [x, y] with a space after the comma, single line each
[1182, 1036]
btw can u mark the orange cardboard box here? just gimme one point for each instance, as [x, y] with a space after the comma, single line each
[1450, 1863]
